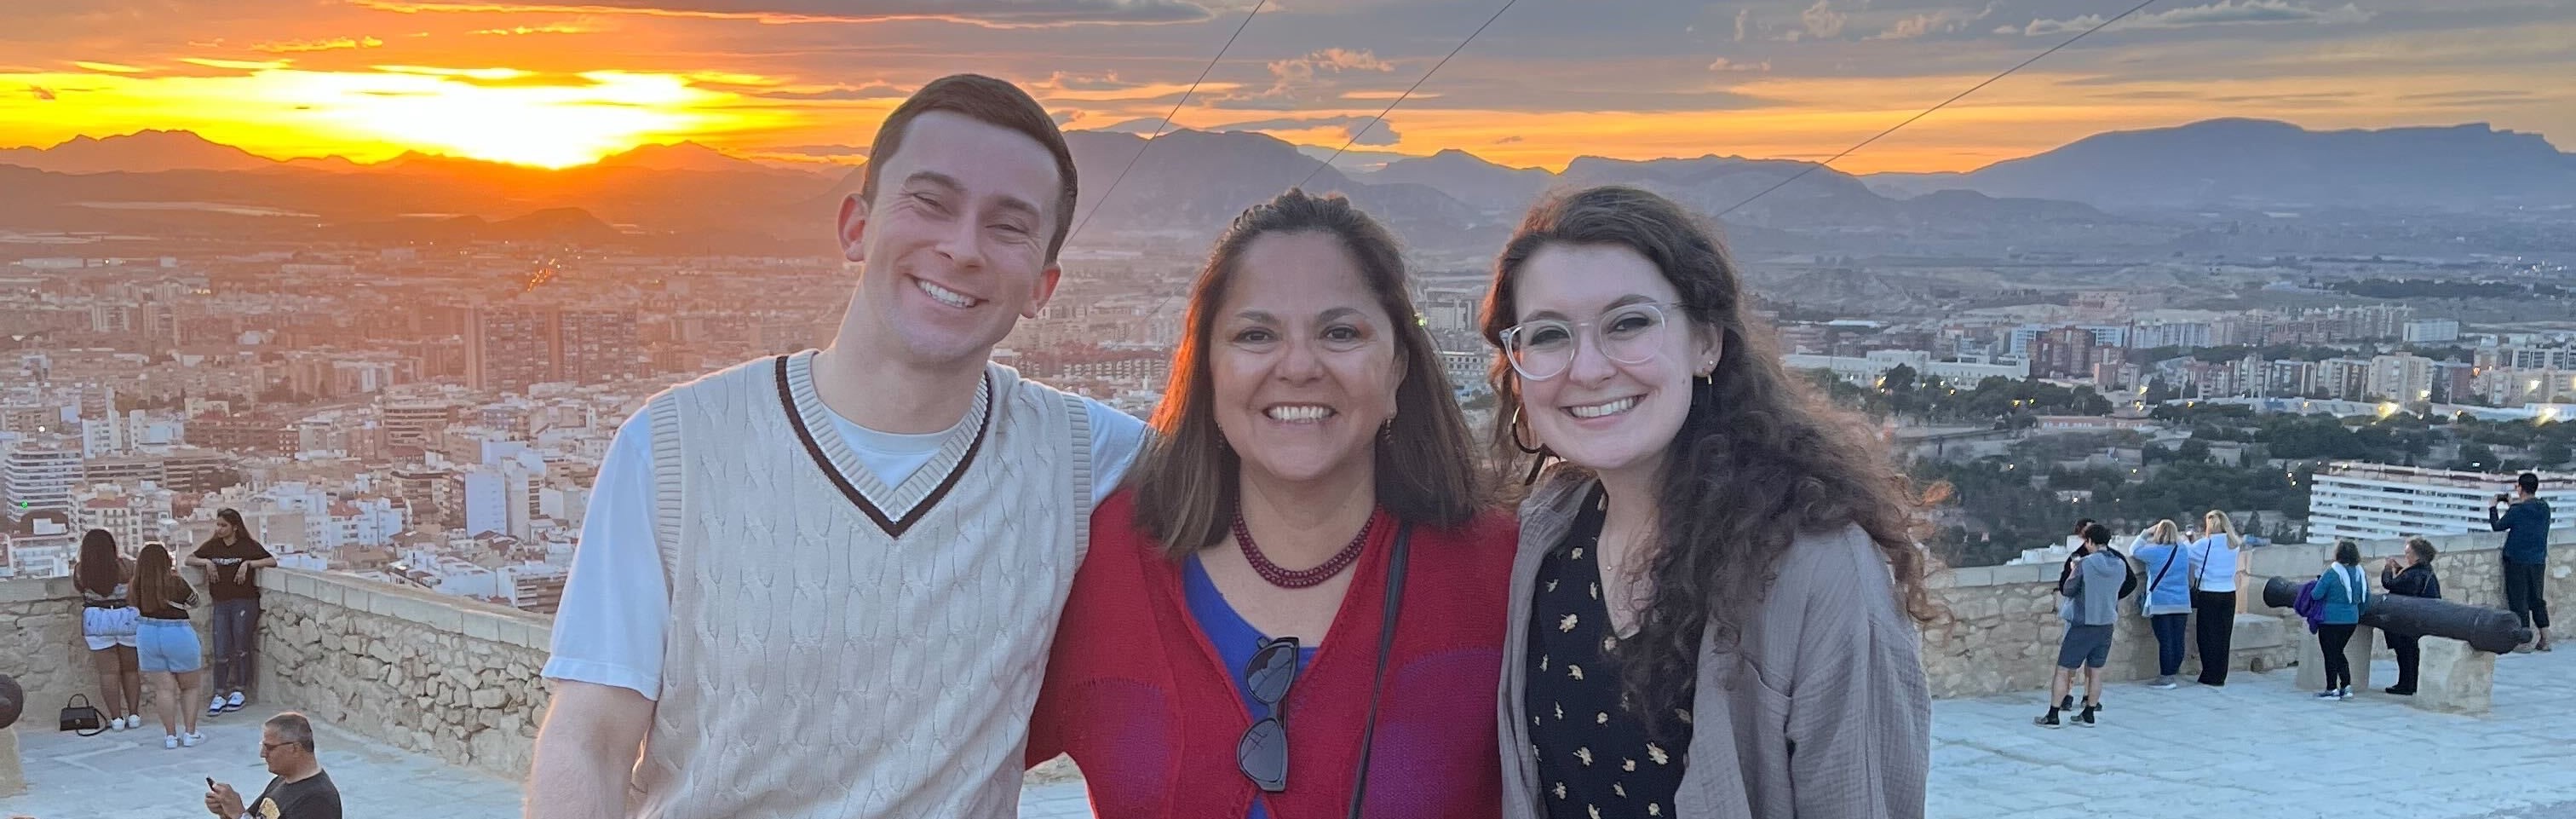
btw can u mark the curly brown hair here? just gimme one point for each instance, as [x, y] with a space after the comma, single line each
[1759, 458]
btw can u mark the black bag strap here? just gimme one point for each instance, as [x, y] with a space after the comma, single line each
[2161, 570]
[1385, 644]
[83, 699]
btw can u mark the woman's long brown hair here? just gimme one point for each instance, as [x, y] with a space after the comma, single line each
[1426, 473]
[156, 581]
[1759, 459]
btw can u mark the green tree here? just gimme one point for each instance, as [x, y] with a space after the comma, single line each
[2552, 453]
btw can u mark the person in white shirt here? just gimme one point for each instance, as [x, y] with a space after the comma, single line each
[2215, 565]
[825, 584]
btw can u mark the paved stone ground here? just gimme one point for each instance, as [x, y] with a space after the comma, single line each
[2259, 747]
[2254, 748]
[128, 775]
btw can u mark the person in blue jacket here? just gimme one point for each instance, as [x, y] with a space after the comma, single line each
[2161, 558]
[2343, 589]
[2526, 553]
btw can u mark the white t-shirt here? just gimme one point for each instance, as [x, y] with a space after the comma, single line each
[2215, 562]
[609, 628]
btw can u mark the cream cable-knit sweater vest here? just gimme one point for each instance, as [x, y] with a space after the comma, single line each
[838, 647]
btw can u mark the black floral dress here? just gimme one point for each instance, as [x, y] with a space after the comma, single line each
[1596, 758]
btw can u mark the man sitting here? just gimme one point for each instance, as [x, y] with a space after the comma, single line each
[299, 791]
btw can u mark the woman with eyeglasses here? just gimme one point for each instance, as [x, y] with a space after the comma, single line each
[1716, 604]
[1290, 607]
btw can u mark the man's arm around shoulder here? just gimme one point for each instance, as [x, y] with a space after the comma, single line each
[586, 751]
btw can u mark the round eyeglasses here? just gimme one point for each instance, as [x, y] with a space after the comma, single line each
[1544, 348]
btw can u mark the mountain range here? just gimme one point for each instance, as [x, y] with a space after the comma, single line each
[2249, 163]
[1191, 183]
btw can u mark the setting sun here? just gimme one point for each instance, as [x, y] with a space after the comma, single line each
[497, 114]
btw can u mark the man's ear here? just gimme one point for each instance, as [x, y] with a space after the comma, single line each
[1047, 279]
[853, 227]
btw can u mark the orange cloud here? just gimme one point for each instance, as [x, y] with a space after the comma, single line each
[318, 45]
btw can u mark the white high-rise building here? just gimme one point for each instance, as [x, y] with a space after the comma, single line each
[2432, 331]
[2376, 501]
[38, 474]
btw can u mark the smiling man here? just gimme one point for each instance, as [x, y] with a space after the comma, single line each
[824, 584]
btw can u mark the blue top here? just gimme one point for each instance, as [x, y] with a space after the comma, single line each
[2526, 531]
[2171, 593]
[2343, 589]
[1235, 642]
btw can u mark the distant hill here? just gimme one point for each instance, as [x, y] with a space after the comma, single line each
[142, 151]
[1484, 185]
[2249, 163]
[570, 226]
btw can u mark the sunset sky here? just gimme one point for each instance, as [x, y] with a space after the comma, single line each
[564, 83]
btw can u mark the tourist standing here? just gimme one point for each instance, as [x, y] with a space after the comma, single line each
[2160, 554]
[2090, 607]
[2342, 591]
[2215, 559]
[2526, 554]
[232, 560]
[2410, 575]
[108, 623]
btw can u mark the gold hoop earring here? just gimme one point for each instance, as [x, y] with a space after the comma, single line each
[1515, 428]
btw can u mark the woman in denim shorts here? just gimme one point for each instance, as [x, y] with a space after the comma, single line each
[166, 645]
[108, 627]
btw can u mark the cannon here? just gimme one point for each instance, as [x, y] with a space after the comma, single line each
[2484, 629]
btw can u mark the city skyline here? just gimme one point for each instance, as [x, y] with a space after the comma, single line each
[800, 81]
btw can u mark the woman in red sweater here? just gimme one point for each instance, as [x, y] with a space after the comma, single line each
[1229, 649]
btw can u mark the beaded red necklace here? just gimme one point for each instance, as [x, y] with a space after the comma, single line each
[1298, 578]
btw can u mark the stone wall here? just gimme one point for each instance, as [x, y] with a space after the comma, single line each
[2005, 630]
[2470, 566]
[41, 645]
[426, 672]
[458, 679]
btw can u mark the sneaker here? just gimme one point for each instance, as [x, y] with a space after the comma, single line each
[2396, 691]
[215, 706]
[2048, 720]
[134, 720]
[2328, 695]
[169, 740]
[234, 702]
[2164, 684]
[117, 724]
[2344, 694]
[2085, 717]
[192, 739]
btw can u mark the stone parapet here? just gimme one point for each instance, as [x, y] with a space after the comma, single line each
[422, 671]
[458, 679]
[2005, 629]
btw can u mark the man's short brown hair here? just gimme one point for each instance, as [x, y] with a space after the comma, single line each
[991, 101]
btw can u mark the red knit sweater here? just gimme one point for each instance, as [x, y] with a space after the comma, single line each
[1136, 694]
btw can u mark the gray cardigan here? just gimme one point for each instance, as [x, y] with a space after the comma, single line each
[1833, 718]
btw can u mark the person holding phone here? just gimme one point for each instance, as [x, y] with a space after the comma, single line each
[300, 788]
[2167, 606]
[2409, 575]
[2524, 518]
